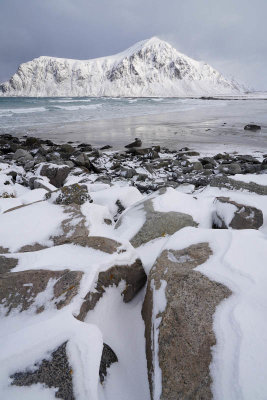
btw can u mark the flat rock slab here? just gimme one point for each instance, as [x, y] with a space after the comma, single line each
[71, 227]
[182, 332]
[156, 224]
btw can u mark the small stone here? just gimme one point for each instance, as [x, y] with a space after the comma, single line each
[136, 143]
[252, 127]
[230, 169]
[67, 148]
[56, 174]
[22, 156]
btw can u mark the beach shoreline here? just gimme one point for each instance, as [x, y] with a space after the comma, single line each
[208, 134]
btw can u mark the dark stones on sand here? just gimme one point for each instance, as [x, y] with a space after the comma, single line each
[107, 147]
[150, 153]
[136, 143]
[252, 127]
[181, 333]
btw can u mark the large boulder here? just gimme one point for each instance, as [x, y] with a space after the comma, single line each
[22, 290]
[55, 173]
[152, 224]
[178, 313]
[229, 214]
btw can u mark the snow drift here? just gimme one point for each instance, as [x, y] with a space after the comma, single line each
[149, 68]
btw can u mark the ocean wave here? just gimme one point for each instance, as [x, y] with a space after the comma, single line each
[22, 110]
[80, 107]
[69, 101]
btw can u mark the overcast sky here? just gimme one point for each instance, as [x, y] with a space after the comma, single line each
[231, 35]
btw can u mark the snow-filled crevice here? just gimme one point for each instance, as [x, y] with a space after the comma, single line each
[123, 329]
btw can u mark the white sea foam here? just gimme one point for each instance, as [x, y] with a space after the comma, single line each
[80, 107]
[70, 101]
[22, 110]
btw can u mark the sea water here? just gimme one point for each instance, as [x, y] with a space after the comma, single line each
[115, 121]
[22, 111]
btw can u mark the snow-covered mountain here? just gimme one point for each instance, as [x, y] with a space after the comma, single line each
[149, 68]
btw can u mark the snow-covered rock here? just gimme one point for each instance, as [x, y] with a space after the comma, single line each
[230, 214]
[178, 313]
[149, 68]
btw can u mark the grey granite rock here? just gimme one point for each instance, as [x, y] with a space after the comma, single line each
[242, 216]
[184, 330]
[231, 169]
[18, 290]
[56, 174]
[72, 194]
[55, 372]
[133, 275]
[156, 224]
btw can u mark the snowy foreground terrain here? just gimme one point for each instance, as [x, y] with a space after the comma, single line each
[148, 68]
[120, 278]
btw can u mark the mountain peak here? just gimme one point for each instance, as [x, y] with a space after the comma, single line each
[155, 41]
[149, 68]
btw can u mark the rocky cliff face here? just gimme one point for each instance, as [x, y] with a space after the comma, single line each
[149, 68]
